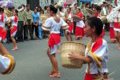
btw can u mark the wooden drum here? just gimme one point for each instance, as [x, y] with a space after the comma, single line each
[68, 47]
[7, 64]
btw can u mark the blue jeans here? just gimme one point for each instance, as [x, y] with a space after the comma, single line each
[40, 32]
[61, 32]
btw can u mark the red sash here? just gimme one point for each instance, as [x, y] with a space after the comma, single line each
[13, 30]
[15, 19]
[2, 17]
[96, 46]
[117, 25]
[3, 33]
[112, 33]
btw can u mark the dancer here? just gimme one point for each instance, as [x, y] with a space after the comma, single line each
[79, 29]
[96, 53]
[13, 28]
[54, 23]
[69, 20]
[117, 27]
[3, 31]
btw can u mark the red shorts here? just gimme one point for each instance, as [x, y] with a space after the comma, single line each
[54, 39]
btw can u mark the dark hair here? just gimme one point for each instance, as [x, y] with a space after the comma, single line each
[60, 8]
[16, 11]
[39, 9]
[96, 23]
[98, 8]
[45, 8]
[19, 7]
[1, 9]
[53, 9]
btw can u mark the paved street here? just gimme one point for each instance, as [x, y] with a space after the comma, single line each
[32, 62]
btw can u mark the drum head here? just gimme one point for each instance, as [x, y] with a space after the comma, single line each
[11, 66]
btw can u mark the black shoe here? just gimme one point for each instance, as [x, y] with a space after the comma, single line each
[32, 39]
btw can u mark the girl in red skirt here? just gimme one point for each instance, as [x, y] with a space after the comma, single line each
[69, 20]
[117, 27]
[54, 23]
[79, 30]
[3, 31]
[111, 24]
[13, 28]
[112, 33]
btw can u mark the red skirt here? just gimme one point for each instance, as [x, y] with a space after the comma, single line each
[116, 25]
[54, 39]
[13, 30]
[3, 33]
[79, 32]
[71, 25]
[88, 77]
[112, 33]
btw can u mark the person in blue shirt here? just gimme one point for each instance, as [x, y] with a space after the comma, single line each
[36, 18]
[40, 31]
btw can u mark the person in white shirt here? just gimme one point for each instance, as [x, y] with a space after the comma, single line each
[13, 28]
[117, 27]
[3, 31]
[54, 24]
[96, 53]
[69, 20]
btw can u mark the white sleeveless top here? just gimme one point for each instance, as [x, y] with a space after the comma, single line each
[53, 25]
[2, 23]
[14, 23]
[80, 24]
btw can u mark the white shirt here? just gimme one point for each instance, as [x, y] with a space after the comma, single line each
[53, 25]
[101, 52]
[70, 17]
[14, 23]
[80, 24]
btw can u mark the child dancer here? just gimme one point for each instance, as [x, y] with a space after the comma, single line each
[117, 27]
[69, 20]
[79, 30]
[13, 29]
[112, 33]
[54, 23]
[3, 31]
